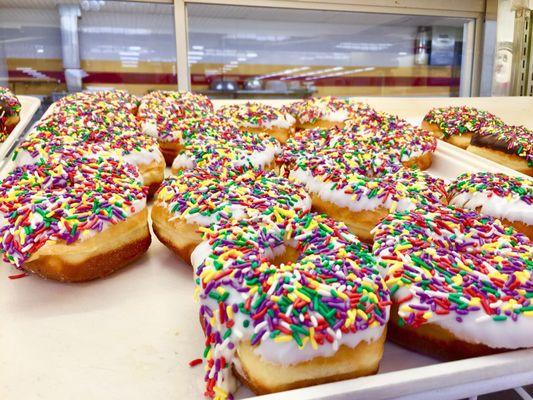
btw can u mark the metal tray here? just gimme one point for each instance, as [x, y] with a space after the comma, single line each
[132, 335]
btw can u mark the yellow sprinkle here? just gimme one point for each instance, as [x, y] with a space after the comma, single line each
[283, 338]
[302, 296]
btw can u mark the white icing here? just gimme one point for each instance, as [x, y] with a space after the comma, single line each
[258, 159]
[340, 198]
[511, 208]
[288, 353]
[284, 121]
[478, 327]
[149, 127]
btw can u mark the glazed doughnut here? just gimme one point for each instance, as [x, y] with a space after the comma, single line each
[57, 133]
[325, 112]
[161, 113]
[288, 304]
[456, 125]
[260, 118]
[9, 112]
[228, 147]
[73, 219]
[361, 202]
[508, 198]
[198, 198]
[508, 145]
[461, 283]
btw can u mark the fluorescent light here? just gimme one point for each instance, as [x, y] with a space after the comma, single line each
[197, 47]
[196, 53]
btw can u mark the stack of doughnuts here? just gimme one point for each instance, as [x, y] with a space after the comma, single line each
[288, 304]
[260, 118]
[73, 218]
[162, 114]
[80, 120]
[9, 112]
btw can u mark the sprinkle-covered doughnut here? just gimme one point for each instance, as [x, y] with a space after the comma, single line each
[459, 120]
[204, 197]
[159, 109]
[40, 146]
[464, 272]
[499, 195]
[9, 112]
[229, 148]
[67, 200]
[401, 190]
[104, 100]
[289, 313]
[331, 109]
[257, 115]
[380, 143]
[382, 132]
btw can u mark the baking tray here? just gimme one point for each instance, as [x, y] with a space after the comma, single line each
[132, 335]
[28, 106]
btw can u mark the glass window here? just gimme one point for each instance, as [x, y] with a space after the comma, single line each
[239, 51]
[50, 47]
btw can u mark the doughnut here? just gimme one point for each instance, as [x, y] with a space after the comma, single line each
[109, 100]
[461, 283]
[456, 125]
[161, 110]
[57, 133]
[9, 112]
[309, 150]
[74, 219]
[508, 145]
[325, 112]
[260, 118]
[173, 141]
[288, 304]
[361, 202]
[375, 144]
[228, 147]
[404, 143]
[197, 198]
[508, 198]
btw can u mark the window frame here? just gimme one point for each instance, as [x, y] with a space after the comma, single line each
[474, 10]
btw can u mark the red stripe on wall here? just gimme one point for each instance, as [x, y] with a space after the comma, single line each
[131, 77]
[201, 79]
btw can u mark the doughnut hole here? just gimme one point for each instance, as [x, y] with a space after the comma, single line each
[289, 255]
